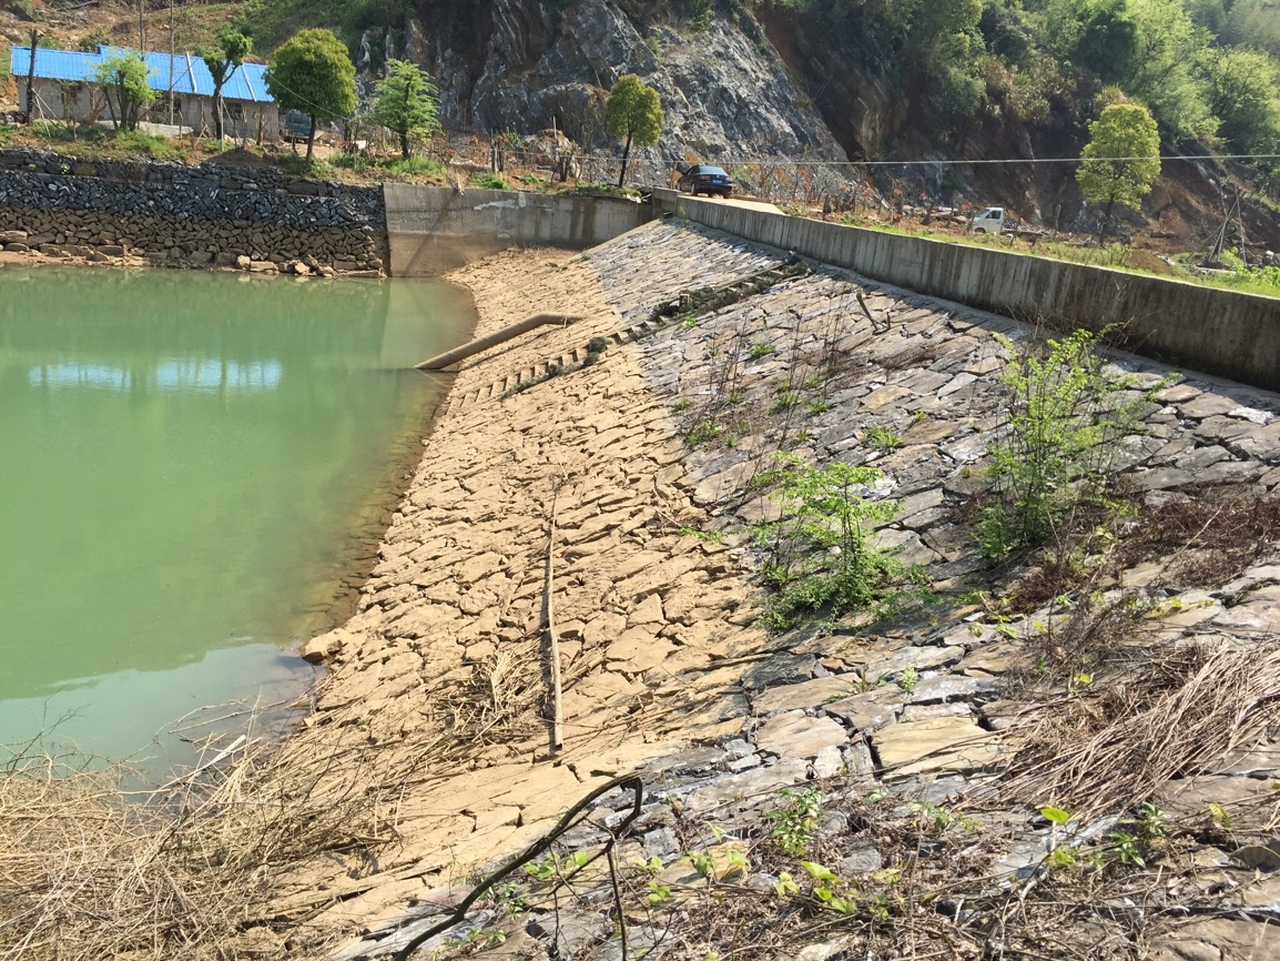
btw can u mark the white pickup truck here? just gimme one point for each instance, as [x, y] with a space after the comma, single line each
[990, 221]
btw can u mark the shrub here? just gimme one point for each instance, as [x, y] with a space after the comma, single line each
[489, 182]
[817, 552]
[1066, 413]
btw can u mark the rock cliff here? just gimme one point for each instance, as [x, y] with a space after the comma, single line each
[527, 65]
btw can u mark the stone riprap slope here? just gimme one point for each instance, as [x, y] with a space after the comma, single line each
[253, 218]
[898, 724]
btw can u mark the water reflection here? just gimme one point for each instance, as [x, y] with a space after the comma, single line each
[190, 461]
[172, 375]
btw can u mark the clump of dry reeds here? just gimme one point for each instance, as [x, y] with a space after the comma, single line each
[1110, 748]
[230, 860]
[86, 872]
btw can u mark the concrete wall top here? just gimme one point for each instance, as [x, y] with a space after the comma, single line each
[433, 229]
[1214, 331]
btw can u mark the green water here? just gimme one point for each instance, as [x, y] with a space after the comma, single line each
[189, 464]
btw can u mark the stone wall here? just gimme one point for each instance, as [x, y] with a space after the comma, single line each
[252, 217]
[1214, 331]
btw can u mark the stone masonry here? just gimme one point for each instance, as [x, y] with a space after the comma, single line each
[666, 672]
[174, 215]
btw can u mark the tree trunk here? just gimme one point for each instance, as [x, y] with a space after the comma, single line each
[311, 138]
[1106, 220]
[404, 144]
[217, 114]
[626, 153]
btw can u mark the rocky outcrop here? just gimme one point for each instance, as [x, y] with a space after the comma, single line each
[177, 215]
[526, 65]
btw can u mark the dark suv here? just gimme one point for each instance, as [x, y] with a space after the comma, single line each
[701, 179]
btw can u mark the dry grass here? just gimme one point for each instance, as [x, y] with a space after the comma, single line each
[1108, 749]
[1208, 540]
[224, 863]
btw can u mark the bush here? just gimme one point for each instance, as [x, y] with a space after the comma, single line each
[817, 553]
[1066, 414]
[489, 182]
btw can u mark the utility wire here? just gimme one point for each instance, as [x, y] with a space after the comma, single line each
[1028, 160]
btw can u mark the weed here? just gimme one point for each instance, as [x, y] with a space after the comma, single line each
[489, 182]
[417, 167]
[684, 403]
[908, 680]
[659, 893]
[939, 817]
[788, 397]
[760, 350]
[816, 407]
[714, 537]
[884, 438]
[796, 825]
[817, 550]
[702, 432]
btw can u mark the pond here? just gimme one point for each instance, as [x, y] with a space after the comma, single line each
[194, 468]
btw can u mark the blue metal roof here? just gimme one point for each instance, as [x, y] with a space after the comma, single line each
[186, 71]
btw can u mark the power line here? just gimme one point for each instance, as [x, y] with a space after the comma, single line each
[779, 162]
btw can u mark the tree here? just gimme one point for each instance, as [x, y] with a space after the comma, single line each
[405, 103]
[1242, 89]
[123, 79]
[632, 113]
[312, 73]
[1169, 47]
[1121, 159]
[1108, 43]
[222, 61]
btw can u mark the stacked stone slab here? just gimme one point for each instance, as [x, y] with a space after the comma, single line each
[213, 215]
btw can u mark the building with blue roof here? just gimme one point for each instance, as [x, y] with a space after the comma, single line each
[64, 89]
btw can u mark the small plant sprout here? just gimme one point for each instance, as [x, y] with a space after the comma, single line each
[829, 890]
[908, 679]
[659, 893]
[882, 438]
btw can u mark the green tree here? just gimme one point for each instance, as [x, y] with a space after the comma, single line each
[1121, 159]
[1108, 43]
[1242, 88]
[632, 113]
[1169, 47]
[405, 103]
[222, 61]
[312, 73]
[123, 79]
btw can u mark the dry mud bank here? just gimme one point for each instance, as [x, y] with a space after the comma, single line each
[933, 741]
[448, 640]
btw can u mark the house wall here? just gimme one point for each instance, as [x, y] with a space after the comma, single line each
[83, 101]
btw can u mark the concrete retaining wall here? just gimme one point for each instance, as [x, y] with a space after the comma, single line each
[436, 229]
[1201, 328]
